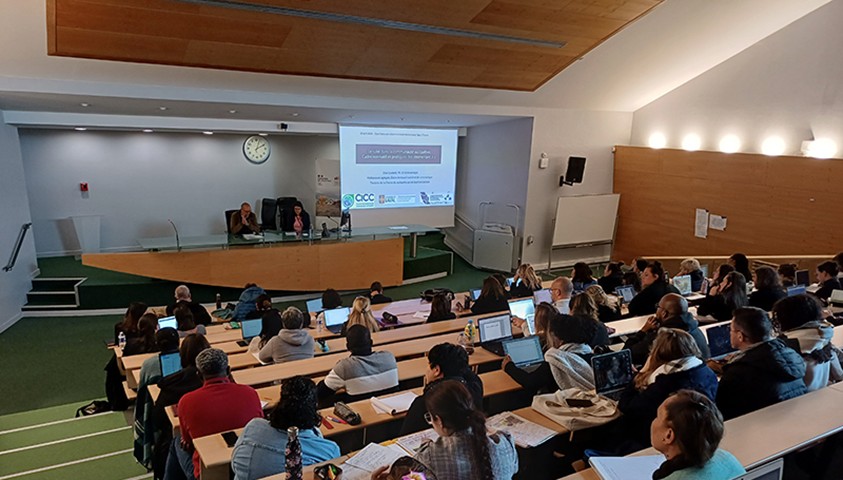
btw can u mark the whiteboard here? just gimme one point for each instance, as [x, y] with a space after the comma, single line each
[585, 219]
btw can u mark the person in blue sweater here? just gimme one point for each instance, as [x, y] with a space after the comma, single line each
[687, 431]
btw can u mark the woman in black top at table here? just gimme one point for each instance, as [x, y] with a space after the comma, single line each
[129, 324]
[719, 277]
[655, 286]
[608, 310]
[741, 264]
[492, 298]
[525, 282]
[612, 277]
[440, 309]
[633, 279]
[827, 279]
[768, 289]
[144, 342]
[787, 274]
[725, 298]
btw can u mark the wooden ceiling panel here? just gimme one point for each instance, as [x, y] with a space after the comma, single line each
[174, 32]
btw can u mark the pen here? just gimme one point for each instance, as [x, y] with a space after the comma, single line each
[327, 424]
[338, 420]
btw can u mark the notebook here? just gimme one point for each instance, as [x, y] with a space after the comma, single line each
[526, 353]
[314, 305]
[626, 293]
[836, 297]
[526, 310]
[249, 329]
[719, 341]
[335, 318]
[542, 295]
[170, 363]
[167, 322]
[493, 331]
[612, 373]
[683, 284]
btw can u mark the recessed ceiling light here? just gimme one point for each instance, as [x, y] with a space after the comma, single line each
[83, 104]
[691, 142]
[263, 134]
[295, 114]
[208, 133]
[163, 108]
[232, 111]
[80, 129]
[730, 144]
[657, 140]
[147, 130]
[773, 146]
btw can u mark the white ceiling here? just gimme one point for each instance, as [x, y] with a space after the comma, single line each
[674, 43]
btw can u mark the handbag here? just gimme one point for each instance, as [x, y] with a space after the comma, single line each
[555, 407]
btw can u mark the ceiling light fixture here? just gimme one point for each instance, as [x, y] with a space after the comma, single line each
[294, 114]
[85, 105]
[147, 130]
[773, 146]
[730, 144]
[657, 140]
[263, 134]
[819, 148]
[207, 132]
[691, 142]
[80, 129]
[163, 109]
[232, 111]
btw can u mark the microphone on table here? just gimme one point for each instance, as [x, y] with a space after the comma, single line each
[178, 244]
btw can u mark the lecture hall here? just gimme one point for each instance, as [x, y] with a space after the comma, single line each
[421, 240]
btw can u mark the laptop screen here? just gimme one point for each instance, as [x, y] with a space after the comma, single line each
[167, 322]
[170, 363]
[797, 290]
[494, 328]
[542, 295]
[803, 277]
[612, 371]
[524, 351]
[337, 316]
[683, 284]
[626, 293]
[719, 342]
[475, 294]
[251, 328]
[522, 308]
[314, 305]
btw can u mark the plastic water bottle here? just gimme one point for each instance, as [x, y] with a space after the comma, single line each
[219, 301]
[121, 340]
[292, 455]
[468, 334]
[320, 321]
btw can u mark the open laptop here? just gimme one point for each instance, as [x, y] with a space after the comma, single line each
[475, 294]
[612, 373]
[170, 363]
[526, 310]
[168, 322]
[526, 353]
[493, 331]
[771, 471]
[314, 305]
[249, 329]
[796, 290]
[836, 298]
[626, 293]
[719, 340]
[335, 318]
[542, 295]
[803, 277]
[683, 284]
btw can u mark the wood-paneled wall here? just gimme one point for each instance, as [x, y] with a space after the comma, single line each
[773, 205]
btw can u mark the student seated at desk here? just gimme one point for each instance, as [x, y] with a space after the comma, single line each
[692, 267]
[185, 323]
[799, 320]
[768, 289]
[218, 406]
[569, 357]
[639, 264]
[633, 279]
[608, 309]
[113, 377]
[741, 265]
[361, 314]
[540, 379]
[263, 305]
[144, 341]
[687, 431]
[445, 362]
[765, 372]
[440, 309]
[561, 290]
[541, 319]
[718, 278]
[501, 278]
[150, 373]
[184, 297]
[247, 302]
[612, 277]
[655, 286]
[582, 277]
[671, 313]
[827, 279]
[376, 294]
[787, 274]
[363, 374]
[838, 259]
[259, 451]
[270, 326]
[675, 363]
[725, 298]
[330, 300]
[129, 324]
[584, 306]
[291, 343]
[464, 449]
[492, 298]
[525, 282]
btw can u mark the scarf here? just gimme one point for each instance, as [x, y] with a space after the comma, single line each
[812, 336]
[569, 369]
[674, 366]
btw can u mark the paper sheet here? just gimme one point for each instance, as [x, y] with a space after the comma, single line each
[701, 223]
[393, 405]
[413, 441]
[374, 456]
[252, 236]
[625, 468]
[524, 432]
[716, 222]
[421, 315]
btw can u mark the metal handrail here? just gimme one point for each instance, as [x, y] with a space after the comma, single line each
[18, 244]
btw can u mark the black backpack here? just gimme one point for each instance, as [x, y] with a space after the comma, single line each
[97, 406]
[428, 294]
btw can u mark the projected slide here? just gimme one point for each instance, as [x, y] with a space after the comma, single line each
[397, 167]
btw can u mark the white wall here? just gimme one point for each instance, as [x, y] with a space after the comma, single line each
[789, 85]
[137, 181]
[14, 210]
[560, 134]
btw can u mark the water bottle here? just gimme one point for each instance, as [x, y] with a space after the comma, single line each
[320, 323]
[121, 340]
[292, 454]
[219, 301]
[468, 335]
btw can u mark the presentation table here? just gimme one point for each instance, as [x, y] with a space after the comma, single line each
[274, 260]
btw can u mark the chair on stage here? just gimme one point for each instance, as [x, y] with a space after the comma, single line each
[269, 214]
[228, 214]
[285, 205]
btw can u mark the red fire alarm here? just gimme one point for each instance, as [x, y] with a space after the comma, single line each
[83, 186]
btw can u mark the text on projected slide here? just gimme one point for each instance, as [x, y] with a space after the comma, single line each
[397, 167]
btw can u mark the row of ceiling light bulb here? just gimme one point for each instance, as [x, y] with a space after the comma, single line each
[772, 146]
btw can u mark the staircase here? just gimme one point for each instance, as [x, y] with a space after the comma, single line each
[53, 294]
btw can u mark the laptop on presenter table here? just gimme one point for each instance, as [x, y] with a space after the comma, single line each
[314, 305]
[335, 318]
[249, 329]
[526, 353]
[170, 363]
[612, 373]
[167, 322]
[683, 284]
[493, 331]
[719, 340]
[525, 310]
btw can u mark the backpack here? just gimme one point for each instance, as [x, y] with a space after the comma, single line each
[428, 294]
[93, 408]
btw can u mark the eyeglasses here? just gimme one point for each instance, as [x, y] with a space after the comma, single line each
[428, 418]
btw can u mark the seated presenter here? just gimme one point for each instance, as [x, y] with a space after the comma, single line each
[298, 220]
[244, 221]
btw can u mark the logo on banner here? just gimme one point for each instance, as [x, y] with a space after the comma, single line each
[347, 200]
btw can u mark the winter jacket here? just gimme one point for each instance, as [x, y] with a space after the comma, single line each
[645, 302]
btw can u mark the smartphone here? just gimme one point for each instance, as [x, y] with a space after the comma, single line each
[327, 472]
[230, 438]
[579, 402]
